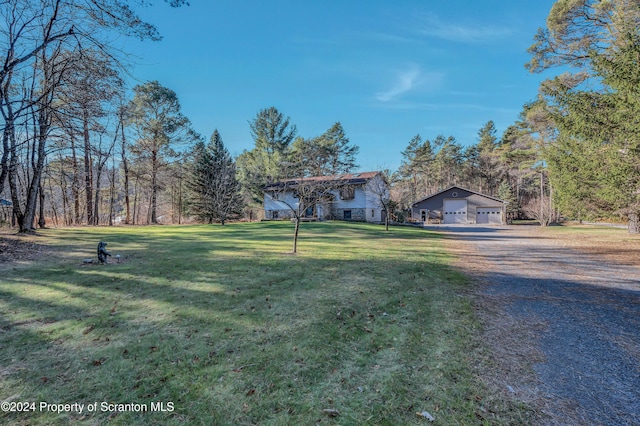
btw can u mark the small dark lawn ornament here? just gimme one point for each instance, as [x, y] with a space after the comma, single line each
[102, 252]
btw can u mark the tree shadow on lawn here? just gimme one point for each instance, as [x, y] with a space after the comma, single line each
[120, 334]
[152, 250]
[247, 234]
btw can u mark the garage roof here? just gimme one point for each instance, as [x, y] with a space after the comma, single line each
[463, 189]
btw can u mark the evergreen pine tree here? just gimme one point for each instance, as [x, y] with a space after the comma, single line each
[214, 186]
[505, 193]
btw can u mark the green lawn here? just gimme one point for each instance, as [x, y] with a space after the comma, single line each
[224, 326]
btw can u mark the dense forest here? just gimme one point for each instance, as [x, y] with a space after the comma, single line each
[79, 147]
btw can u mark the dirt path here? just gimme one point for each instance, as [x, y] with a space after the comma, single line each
[564, 325]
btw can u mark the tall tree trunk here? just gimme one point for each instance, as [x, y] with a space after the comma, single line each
[54, 210]
[634, 222]
[9, 129]
[149, 211]
[179, 201]
[88, 172]
[17, 214]
[75, 184]
[9, 161]
[154, 186]
[542, 221]
[125, 170]
[26, 219]
[295, 234]
[96, 203]
[103, 158]
[41, 219]
[112, 189]
[173, 203]
[518, 197]
[552, 211]
[63, 192]
[135, 200]
[4, 161]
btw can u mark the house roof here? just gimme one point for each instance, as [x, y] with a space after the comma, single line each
[4, 202]
[345, 178]
[458, 187]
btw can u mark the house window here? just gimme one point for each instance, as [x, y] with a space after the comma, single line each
[346, 215]
[274, 214]
[347, 193]
[373, 213]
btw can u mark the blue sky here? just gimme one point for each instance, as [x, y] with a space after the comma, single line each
[386, 70]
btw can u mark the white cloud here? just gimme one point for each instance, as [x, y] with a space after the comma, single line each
[464, 33]
[409, 80]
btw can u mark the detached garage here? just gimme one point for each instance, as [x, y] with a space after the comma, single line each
[459, 205]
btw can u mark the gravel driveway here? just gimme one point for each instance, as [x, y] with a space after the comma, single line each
[566, 325]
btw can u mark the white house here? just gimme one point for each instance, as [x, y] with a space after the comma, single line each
[353, 196]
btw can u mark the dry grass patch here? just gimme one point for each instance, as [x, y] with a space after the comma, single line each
[19, 248]
[613, 244]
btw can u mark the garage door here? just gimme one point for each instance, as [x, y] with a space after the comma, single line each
[489, 215]
[455, 211]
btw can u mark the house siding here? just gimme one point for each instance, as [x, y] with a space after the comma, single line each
[373, 204]
[365, 205]
[278, 209]
[357, 214]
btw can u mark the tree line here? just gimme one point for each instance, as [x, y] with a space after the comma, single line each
[574, 150]
[78, 148]
[61, 99]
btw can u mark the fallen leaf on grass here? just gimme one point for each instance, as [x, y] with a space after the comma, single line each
[242, 367]
[331, 412]
[250, 392]
[427, 416]
[89, 329]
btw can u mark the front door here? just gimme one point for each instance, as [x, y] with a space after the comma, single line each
[308, 212]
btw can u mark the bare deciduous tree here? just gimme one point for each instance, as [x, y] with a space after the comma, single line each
[301, 198]
[39, 40]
